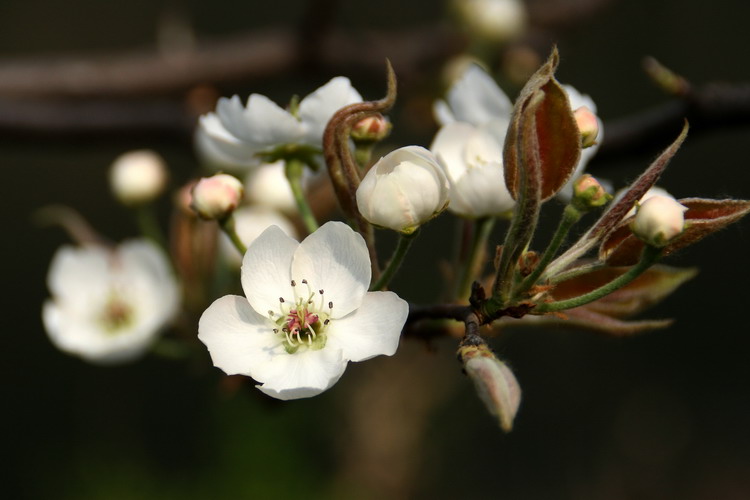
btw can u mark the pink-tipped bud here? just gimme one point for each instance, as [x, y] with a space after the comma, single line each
[217, 196]
[374, 128]
[588, 193]
[588, 126]
[496, 385]
[138, 177]
[658, 220]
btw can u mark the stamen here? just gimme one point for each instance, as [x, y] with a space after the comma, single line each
[281, 299]
[304, 281]
[326, 322]
[330, 305]
[294, 283]
[270, 313]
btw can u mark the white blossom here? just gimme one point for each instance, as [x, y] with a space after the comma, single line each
[403, 190]
[472, 159]
[306, 315]
[138, 176]
[108, 305]
[235, 134]
[268, 186]
[492, 20]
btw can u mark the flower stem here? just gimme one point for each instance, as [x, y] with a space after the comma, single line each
[650, 255]
[404, 242]
[293, 170]
[477, 250]
[571, 215]
[149, 227]
[575, 272]
[227, 225]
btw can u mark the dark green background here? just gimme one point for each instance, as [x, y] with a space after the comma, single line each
[663, 415]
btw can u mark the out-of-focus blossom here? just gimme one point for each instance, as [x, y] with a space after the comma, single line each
[403, 190]
[216, 197]
[137, 177]
[108, 305]
[268, 186]
[306, 315]
[249, 223]
[492, 20]
[472, 159]
[241, 135]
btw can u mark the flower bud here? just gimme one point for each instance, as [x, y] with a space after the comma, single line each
[217, 196]
[495, 383]
[588, 126]
[492, 20]
[588, 193]
[138, 177]
[371, 129]
[658, 220]
[403, 190]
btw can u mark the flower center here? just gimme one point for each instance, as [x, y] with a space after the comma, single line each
[302, 323]
[117, 315]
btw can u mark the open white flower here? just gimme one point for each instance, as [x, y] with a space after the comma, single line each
[306, 315]
[237, 134]
[108, 305]
[472, 159]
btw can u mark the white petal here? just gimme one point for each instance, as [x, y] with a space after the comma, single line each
[240, 340]
[266, 270]
[303, 374]
[481, 192]
[442, 113]
[217, 147]
[449, 144]
[335, 259]
[269, 125]
[80, 275]
[317, 108]
[250, 222]
[373, 329]
[475, 98]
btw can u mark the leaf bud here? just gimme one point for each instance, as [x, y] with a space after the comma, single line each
[496, 385]
[138, 177]
[216, 197]
[588, 125]
[659, 220]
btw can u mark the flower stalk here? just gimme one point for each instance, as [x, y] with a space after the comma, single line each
[402, 247]
[293, 170]
[228, 226]
[477, 250]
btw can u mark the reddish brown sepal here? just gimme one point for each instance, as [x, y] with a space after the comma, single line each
[557, 146]
[703, 217]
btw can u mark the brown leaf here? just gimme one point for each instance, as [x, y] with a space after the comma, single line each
[544, 104]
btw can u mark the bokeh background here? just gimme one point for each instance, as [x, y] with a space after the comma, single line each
[660, 415]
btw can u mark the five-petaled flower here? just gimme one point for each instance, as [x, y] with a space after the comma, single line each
[109, 304]
[306, 315]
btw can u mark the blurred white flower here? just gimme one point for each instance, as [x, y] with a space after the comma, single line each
[237, 134]
[138, 177]
[249, 223]
[492, 20]
[658, 220]
[476, 99]
[472, 159]
[268, 186]
[403, 190]
[108, 305]
[306, 315]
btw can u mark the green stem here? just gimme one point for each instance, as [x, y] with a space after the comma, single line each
[575, 272]
[294, 169]
[404, 242]
[149, 227]
[227, 225]
[472, 265]
[571, 215]
[650, 256]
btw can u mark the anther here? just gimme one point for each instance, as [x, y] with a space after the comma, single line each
[270, 313]
[320, 291]
[304, 281]
[330, 305]
[294, 283]
[281, 299]
[326, 321]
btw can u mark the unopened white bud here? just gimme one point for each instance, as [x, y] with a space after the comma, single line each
[138, 177]
[588, 126]
[658, 220]
[217, 196]
[492, 20]
[403, 190]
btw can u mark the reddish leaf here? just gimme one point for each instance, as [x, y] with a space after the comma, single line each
[544, 103]
[651, 287]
